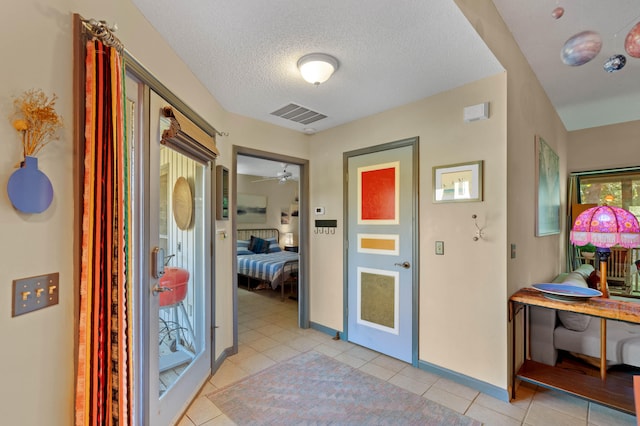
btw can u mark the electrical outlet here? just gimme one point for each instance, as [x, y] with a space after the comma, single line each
[513, 251]
[30, 294]
[440, 247]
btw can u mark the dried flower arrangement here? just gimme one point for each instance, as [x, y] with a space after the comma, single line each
[36, 118]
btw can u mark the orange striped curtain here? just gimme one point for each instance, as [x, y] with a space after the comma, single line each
[105, 375]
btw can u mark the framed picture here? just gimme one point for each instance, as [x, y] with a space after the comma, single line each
[547, 190]
[285, 219]
[456, 183]
[252, 208]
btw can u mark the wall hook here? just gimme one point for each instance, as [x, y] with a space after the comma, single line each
[479, 231]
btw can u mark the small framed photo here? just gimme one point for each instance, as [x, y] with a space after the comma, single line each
[455, 183]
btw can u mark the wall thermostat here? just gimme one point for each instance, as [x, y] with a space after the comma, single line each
[319, 210]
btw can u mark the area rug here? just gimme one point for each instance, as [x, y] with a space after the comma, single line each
[314, 389]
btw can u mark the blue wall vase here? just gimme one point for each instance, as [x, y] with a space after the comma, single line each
[29, 189]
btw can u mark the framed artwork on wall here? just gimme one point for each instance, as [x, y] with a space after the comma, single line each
[547, 189]
[285, 218]
[455, 183]
[252, 208]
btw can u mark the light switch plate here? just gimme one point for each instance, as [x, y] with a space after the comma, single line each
[440, 247]
[30, 294]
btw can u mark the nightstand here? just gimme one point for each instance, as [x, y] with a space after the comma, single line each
[291, 248]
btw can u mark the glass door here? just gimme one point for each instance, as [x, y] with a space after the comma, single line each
[179, 221]
[173, 236]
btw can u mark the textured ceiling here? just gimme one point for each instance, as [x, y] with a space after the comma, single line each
[390, 53]
[584, 96]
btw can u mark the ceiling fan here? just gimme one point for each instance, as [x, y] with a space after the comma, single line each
[281, 177]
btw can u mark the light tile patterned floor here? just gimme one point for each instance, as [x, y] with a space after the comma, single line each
[268, 334]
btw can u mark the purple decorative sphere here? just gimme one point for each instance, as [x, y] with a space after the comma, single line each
[581, 48]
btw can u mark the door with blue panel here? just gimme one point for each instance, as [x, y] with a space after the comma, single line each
[382, 224]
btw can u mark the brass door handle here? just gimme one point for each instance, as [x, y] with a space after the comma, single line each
[158, 289]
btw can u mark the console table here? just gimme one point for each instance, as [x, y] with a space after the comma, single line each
[612, 393]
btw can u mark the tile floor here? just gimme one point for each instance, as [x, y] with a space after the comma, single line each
[268, 334]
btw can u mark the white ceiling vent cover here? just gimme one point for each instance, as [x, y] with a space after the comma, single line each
[298, 114]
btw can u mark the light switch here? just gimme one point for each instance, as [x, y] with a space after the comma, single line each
[30, 294]
[440, 247]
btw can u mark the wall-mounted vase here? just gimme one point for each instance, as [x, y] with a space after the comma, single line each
[29, 189]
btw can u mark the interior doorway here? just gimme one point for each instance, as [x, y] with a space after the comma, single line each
[288, 213]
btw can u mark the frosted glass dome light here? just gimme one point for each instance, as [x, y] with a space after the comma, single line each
[317, 68]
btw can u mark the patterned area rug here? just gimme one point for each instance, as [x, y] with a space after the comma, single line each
[313, 388]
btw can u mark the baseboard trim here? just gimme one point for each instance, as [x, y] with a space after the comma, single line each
[224, 355]
[479, 385]
[324, 329]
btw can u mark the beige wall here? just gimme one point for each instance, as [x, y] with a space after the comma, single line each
[530, 113]
[462, 294]
[604, 147]
[279, 196]
[38, 360]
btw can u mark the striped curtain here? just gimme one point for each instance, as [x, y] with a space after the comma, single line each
[105, 374]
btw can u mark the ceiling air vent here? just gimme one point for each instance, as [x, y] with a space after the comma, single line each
[298, 114]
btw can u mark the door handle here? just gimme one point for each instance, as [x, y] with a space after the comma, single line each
[157, 262]
[405, 264]
[159, 289]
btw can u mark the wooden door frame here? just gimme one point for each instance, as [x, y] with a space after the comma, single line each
[415, 260]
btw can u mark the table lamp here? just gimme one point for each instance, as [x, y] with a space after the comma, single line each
[605, 227]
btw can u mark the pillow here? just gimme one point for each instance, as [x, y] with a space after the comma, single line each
[572, 320]
[274, 247]
[243, 247]
[575, 279]
[584, 270]
[258, 245]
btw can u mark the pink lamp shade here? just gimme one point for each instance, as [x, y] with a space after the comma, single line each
[606, 226]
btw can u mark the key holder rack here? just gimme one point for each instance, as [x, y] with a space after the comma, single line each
[325, 226]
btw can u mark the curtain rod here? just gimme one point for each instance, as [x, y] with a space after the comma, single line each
[101, 30]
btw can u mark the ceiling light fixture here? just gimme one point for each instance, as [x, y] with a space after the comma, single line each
[316, 68]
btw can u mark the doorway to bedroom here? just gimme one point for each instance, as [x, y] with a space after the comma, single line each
[269, 194]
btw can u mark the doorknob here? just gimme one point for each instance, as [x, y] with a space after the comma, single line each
[405, 264]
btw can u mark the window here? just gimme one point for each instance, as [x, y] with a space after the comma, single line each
[619, 189]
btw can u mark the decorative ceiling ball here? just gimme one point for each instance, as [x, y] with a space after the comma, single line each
[632, 41]
[557, 12]
[615, 63]
[581, 48]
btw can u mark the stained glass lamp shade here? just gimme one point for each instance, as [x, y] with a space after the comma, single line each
[605, 227]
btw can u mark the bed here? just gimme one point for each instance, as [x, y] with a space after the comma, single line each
[270, 266]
